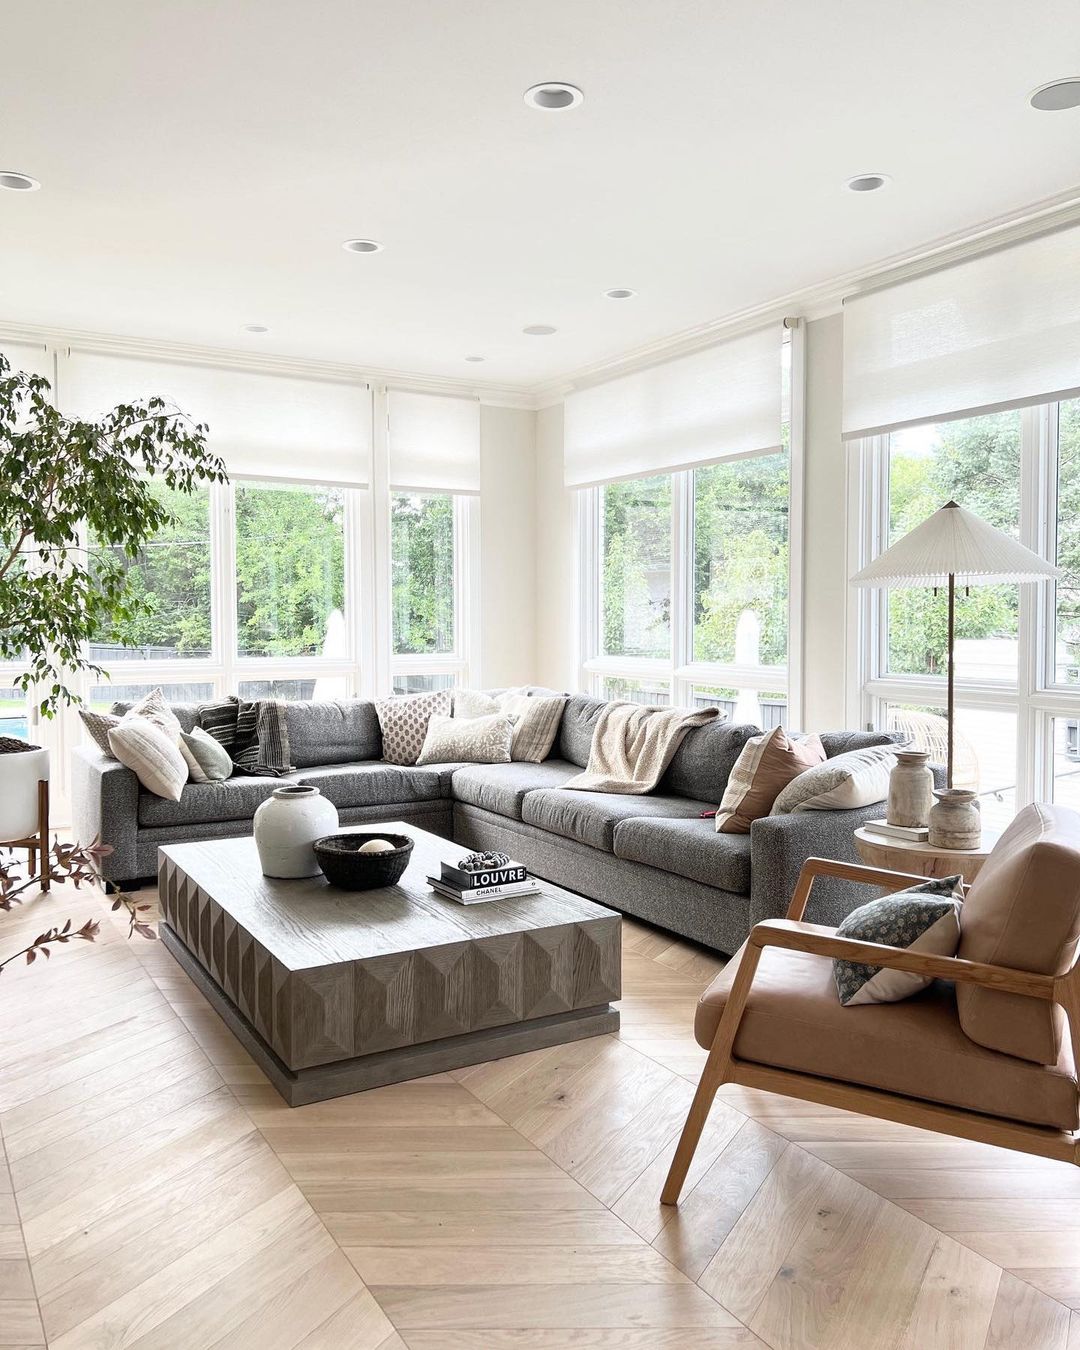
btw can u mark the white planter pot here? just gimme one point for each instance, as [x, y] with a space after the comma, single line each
[287, 824]
[19, 777]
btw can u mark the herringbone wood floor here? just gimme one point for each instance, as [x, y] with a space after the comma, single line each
[158, 1194]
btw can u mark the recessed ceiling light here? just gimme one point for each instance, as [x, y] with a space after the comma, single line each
[620, 293]
[553, 96]
[476, 358]
[867, 182]
[362, 246]
[18, 182]
[1057, 95]
[255, 328]
[539, 330]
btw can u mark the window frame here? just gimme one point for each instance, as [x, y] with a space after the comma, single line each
[1035, 697]
[681, 672]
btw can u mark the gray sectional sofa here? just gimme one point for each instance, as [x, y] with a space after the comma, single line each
[652, 856]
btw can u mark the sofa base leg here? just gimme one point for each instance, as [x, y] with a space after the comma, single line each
[136, 884]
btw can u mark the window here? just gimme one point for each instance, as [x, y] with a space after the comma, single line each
[102, 696]
[1018, 647]
[172, 575]
[651, 693]
[13, 712]
[422, 578]
[290, 571]
[422, 684]
[636, 582]
[741, 562]
[975, 461]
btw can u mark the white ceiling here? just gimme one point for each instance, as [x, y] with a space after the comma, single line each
[202, 161]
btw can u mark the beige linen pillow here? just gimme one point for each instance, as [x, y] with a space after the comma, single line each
[155, 708]
[536, 724]
[765, 766]
[151, 755]
[843, 783]
[403, 720]
[474, 703]
[470, 740]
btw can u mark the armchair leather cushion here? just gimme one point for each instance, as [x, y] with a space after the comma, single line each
[1023, 911]
[793, 1020]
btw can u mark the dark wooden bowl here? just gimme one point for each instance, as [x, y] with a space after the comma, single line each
[345, 866]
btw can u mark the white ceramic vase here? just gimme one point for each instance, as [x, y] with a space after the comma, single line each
[287, 824]
[20, 774]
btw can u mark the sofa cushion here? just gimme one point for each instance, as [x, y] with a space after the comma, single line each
[502, 787]
[793, 1020]
[703, 762]
[373, 783]
[332, 731]
[576, 729]
[1023, 910]
[689, 848]
[234, 799]
[591, 817]
[841, 742]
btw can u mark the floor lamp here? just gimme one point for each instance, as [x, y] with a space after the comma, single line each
[954, 548]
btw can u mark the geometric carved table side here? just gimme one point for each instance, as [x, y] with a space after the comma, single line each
[335, 991]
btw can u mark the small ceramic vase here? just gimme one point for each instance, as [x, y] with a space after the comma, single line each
[955, 819]
[911, 790]
[287, 824]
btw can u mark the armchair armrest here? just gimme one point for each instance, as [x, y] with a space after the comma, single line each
[821, 941]
[845, 871]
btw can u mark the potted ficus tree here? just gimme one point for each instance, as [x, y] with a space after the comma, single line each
[75, 506]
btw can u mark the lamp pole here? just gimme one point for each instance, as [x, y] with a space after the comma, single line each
[951, 681]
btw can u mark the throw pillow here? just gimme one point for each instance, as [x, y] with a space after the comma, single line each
[843, 783]
[152, 756]
[470, 740]
[403, 720]
[207, 760]
[155, 708]
[923, 918]
[474, 703]
[262, 739]
[218, 719]
[99, 725]
[765, 766]
[536, 724]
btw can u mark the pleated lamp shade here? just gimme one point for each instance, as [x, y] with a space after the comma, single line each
[953, 542]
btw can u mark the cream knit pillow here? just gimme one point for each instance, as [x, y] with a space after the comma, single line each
[151, 755]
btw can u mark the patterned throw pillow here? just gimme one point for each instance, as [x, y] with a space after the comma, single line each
[923, 918]
[403, 720]
[468, 740]
[99, 725]
[843, 783]
[536, 724]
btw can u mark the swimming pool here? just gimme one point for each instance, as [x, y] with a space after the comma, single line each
[15, 726]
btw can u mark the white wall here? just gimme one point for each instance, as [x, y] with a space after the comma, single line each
[825, 503]
[556, 604]
[508, 557]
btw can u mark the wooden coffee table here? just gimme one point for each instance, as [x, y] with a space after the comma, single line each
[335, 991]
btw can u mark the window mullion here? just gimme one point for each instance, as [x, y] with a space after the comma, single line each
[223, 643]
[682, 582]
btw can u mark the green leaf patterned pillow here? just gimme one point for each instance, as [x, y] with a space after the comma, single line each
[924, 918]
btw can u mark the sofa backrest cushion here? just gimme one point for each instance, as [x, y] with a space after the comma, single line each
[1023, 911]
[703, 762]
[332, 731]
[576, 729]
[840, 742]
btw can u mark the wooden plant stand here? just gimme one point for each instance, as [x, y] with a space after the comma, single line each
[38, 844]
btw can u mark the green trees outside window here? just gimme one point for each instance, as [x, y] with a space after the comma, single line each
[636, 563]
[422, 561]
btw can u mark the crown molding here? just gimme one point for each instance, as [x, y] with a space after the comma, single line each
[827, 297]
[67, 339]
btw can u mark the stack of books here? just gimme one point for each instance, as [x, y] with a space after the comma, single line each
[913, 834]
[472, 887]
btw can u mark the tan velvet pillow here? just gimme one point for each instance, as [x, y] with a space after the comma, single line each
[1023, 911]
[765, 766]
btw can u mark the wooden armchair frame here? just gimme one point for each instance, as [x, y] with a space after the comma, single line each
[722, 1066]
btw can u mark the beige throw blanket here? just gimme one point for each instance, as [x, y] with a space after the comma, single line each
[633, 746]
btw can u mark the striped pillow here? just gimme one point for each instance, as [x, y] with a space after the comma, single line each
[536, 724]
[150, 753]
[262, 739]
[219, 719]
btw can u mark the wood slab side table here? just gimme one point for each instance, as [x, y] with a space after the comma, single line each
[901, 855]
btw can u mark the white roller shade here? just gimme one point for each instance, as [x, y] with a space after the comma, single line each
[999, 331]
[262, 425]
[722, 403]
[434, 442]
[28, 356]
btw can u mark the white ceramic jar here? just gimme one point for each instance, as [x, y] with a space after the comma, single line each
[20, 773]
[287, 824]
